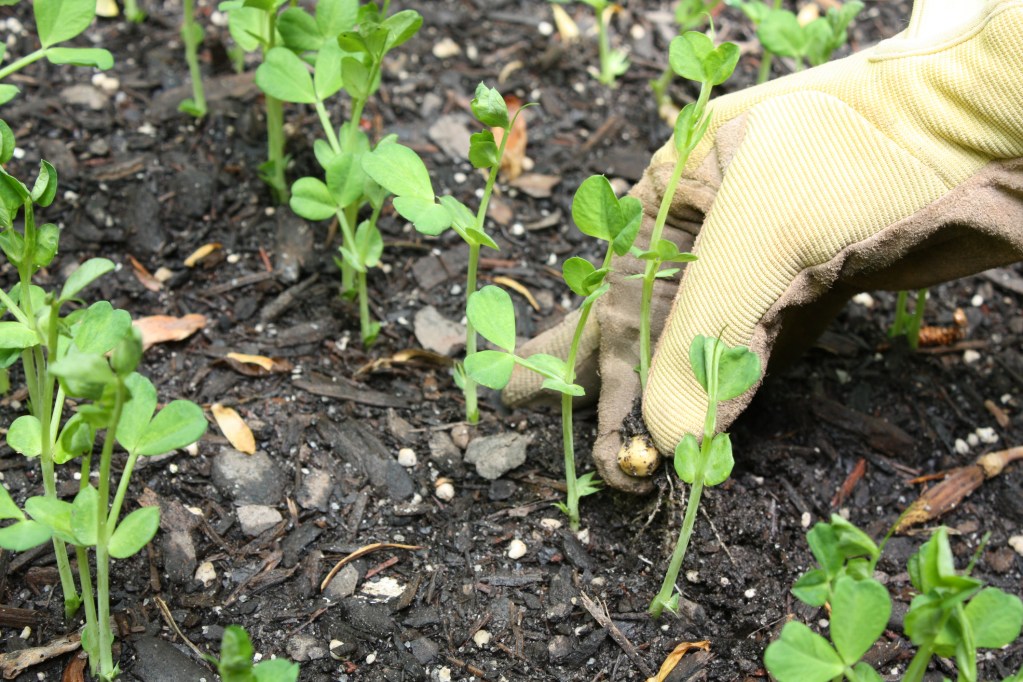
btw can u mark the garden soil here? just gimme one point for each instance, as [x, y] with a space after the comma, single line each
[249, 540]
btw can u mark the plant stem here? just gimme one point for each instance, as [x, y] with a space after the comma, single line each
[604, 47]
[275, 149]
[328, 128]
[192, 36]
[89, 642]
[469, 390]
[104, 529]
[765, 67]
[19, 64]
[918, 666]
[365, 323]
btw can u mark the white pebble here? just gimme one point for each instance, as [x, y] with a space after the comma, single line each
[552, 259]
[1016, 542]
[725, 582]
[973, 439]
[517, 549]
[805, 519]
[1006, 398]
[823, 623]
[456, 289]
[970, 356]
[987, 435]
[106, 83]
[371, 658]
[545, 28]
[444, 491]
[962, 447]
[446, 48]
[864, 299]
[407, 457]
[482, 638]
[750, 593]
[550, 524]
[444, 674]
[637, 32]
[977, 301]
[147, 129]
[472, 52]
[693, 576]
[517, 229]
[459, 177]
[206, 573]
[335, 649]
[234, 258]
[26, 633]
[583, 536]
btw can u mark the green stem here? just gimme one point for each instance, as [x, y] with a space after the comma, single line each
[918, 666]
[328, 128]
[365, 322]
[104, 529]
[764, 74]
[604, 47]
[660, 86]
[20, 64]
[469, 390]
[192, 38]
[275, 148]
[913, 328]
[89, 640]
[663, 597]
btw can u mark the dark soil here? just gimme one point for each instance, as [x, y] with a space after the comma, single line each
[140, 180]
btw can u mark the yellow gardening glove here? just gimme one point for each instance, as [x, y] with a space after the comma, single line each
[896, 168]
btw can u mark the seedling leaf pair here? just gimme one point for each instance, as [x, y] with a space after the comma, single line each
[597, 212]
[692, 55]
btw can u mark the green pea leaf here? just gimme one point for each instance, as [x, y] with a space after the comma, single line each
[738, 370]
[235, 653]
[134, 532]
[24, 535]
[81, 56]
[76, 439]
[859, 615]
[8, 508]
[560, 386]
[25, 436]
[491, 311]
[60, 20]
[866, 673]
[461, 217]
[687, 458]
[16, 335]
[575, 270]
[276, 670]
[490, 368]
[824, 545]
[7, 93]
[427, 216]
[7, 142]
[481, 238]
[83, 375]
[483, 151]
[177, 425]
[812, 588]
[284, 76]
[595, 208]
[312, 200]
[852, 542]
[719, 460]
[53, 513]
[781, 33]
[100, 328]
[632, 219]
[401, 26]
[996, 618]
[489, 108]
[299, 30]
[369, 244]
[327, 79]
[692, 55]
[334, 17]
[357, 78]
[801, 655]
[83, 516]
[13, 245]
[86, 274]
[345, 179]
[546, 365]
[47, 241]
[400, 171]
[137, 411]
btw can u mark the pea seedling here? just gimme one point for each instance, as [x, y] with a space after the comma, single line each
[253, 27]
[235, 663]
[781, 33]
[191, 35]
[73, 350]
[953, 614]
[724, 373]
[598, 213]
[613, 63]
[693, 56]
[908, 324]
[57, 21]
[400, 171]
[690, 15]
[349, 58]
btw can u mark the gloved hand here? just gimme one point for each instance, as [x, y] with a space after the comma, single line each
[896, 168]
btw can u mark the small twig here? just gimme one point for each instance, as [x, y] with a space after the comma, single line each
[718, 536]
[169, 619]
[604, 620]
[468, 667]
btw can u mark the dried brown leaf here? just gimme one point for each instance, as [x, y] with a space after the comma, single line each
[515, 149]
[257, 365]
[520, 288]
[144, 277]
[675, 656]
[163, 328]
[234, 428]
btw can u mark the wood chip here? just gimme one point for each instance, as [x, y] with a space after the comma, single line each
[16, 662]
[164, 328]
[675, 656]
[234, 428]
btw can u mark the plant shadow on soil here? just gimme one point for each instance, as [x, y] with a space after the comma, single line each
[140, 180]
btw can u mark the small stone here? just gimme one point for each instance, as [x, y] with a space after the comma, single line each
[1016, 542]
[750, 593]
[460, 436]
[977, 301]
[987, 435]
[444, 490]
[256, 518]
[805, 519]
[247, 479]
[864, 299]
[517, 549]
[443, 674]
[501, 489]
[446, 48]
[693, 576]
[86, 96]
[482, 638]
[970, 356]
[407, 457]
[494, 456]
[545, 28]
[106, 83]
[424, 649]
[550, 525]
[304, 647]
[962, 447]
[383, 589]
[343, 584]
[437, 333]
[315, 491]
[973, 440]
[206, 573]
